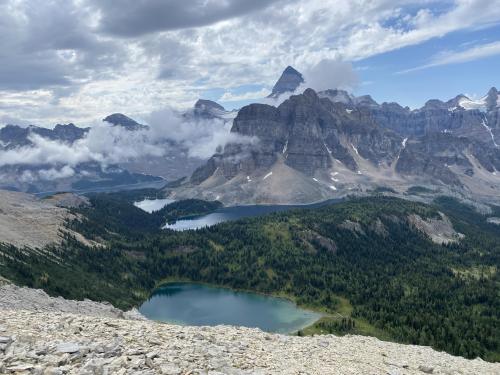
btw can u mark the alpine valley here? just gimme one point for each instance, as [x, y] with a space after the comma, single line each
[341, 217]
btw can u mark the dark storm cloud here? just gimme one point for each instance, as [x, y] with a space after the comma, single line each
[131, 18]
[51, 45]
[32, 73]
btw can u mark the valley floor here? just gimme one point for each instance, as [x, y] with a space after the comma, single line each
[36, 340]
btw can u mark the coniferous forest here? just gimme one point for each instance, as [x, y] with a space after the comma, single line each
[360, 262]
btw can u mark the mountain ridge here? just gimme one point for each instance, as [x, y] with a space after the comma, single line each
[331, 143]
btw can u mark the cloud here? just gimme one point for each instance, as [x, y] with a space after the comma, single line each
[326, 74]
[103, 144]
[372, 38]
[201, 137]
[51, 44]
[30, 176]
[249, 95]
[457, 57]
[331, 74]
[168, 132]
[54, 174]
[79, 60]
[132, 18]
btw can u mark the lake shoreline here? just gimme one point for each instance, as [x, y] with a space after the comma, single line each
[283, 296]
[221, 214]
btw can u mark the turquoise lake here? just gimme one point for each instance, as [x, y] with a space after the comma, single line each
[201, 305]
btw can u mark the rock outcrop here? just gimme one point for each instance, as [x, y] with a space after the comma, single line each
[13, 297]
[28, 221]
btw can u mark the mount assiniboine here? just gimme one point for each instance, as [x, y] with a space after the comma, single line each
[320, 145]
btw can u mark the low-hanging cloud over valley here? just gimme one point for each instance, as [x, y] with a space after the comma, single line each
[106, 145]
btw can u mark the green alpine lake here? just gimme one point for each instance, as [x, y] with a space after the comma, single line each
[202, 305]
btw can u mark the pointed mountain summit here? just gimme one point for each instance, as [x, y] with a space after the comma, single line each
[492, 99]
[119, 119]
[289, 81]
[205, 109]
[203, 104]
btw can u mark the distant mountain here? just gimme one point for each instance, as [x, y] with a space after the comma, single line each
[12, 136]
[119, 119]
[289, 81]
[328, 144]
[174, 163]
[208, 110]
[57, 176]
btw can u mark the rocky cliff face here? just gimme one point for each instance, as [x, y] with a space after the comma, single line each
[307, 133]
[347, 144]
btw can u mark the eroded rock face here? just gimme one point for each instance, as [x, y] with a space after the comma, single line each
[307, 132]
[350, 144]
[440, 230]
[443, 155]
[492, 99]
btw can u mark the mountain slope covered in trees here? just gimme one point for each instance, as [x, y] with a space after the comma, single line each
[362, 262]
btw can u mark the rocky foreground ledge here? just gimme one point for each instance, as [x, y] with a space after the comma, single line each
[40, 341]
[60, 343]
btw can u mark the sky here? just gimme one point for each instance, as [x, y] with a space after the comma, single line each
[77, 61]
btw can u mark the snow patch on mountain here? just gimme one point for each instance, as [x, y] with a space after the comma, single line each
[469, 104]
[485, 124]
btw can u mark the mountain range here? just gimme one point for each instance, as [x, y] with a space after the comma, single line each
[312, 146]
[174, 161]
[320, 145]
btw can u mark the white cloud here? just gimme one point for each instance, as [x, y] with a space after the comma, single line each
[200, 137]
[331, 74]
[457, 57]
[106, 145]
[103, 144]
[64, 65]
[54, 173]
[250, 95]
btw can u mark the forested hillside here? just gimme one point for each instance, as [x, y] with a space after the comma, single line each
[361, 262]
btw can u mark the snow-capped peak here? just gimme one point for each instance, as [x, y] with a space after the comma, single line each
[469, 104]
[488, 102]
